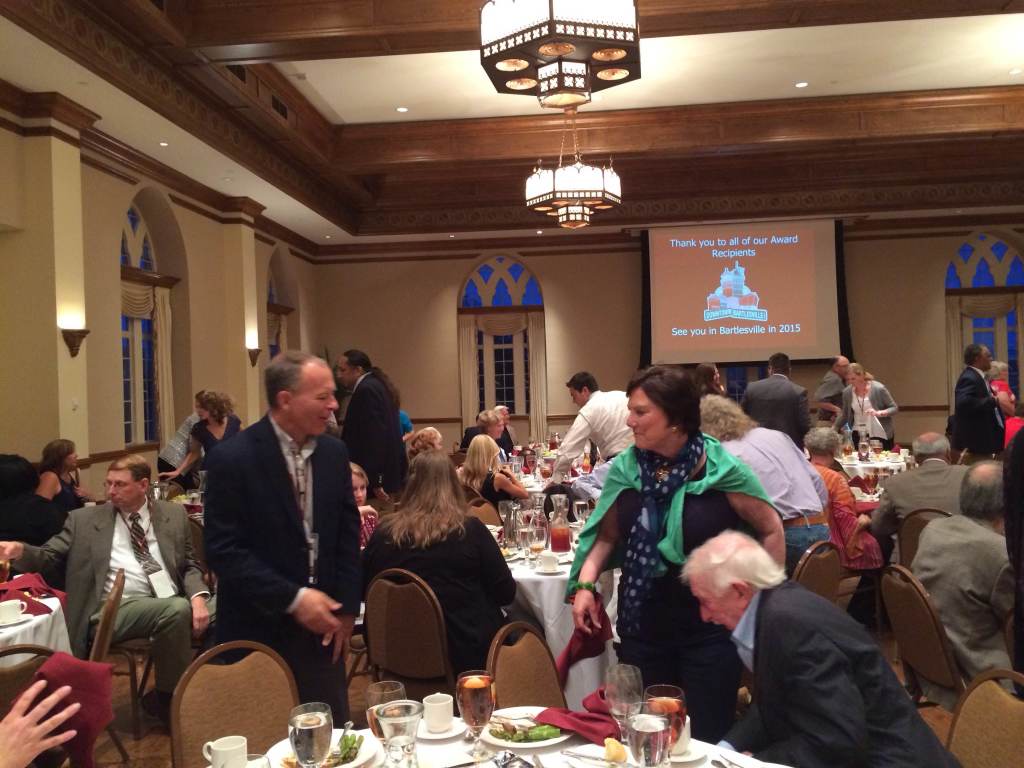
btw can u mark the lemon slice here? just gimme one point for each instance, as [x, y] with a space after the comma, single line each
[614, 752]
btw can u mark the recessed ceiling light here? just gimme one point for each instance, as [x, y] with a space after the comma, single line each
[163, 143]
[451, 235]
[327, 237]
[226, 178]
[801, 84]
[401, 109]
[1016, 71]
[540, 231]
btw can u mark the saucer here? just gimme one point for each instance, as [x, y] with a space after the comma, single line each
[457, 728]
[548, 572]
[695, 751]
[22, 618]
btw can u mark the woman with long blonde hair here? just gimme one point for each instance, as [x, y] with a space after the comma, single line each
[867, 407]
[483, 474]
[432, 536]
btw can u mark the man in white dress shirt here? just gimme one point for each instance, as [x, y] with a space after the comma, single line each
[601, 419]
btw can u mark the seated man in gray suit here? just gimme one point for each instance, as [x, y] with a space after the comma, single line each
[963, 563]
[165, 599]
[778, 403]
[934, 484]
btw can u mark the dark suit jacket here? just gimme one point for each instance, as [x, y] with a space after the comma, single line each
[778, 403]
[373, 436]
[504, 442]
[255, 541]
[824, 695]
[976, 427]
[82, 551]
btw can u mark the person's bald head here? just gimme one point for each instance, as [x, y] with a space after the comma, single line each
[931, 445]
[981, 493]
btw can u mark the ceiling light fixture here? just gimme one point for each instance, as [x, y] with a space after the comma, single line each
[163, 143]
[571, 193]
[540, 231]
[327, 237]
[559, 50]
[401, 109]
[801, 84]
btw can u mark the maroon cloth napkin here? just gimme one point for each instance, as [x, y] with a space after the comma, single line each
[857, 482]
[34, 585]
[582, 646]
[90, 684]
[32, 606]
[594, 725]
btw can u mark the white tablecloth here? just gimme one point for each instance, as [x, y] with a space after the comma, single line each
[48, 630]
[861, 468]
[543, 598]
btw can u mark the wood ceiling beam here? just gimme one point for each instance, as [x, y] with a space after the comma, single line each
[248, 31]
[741, 127]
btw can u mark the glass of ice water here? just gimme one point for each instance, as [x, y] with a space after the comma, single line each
[310, 727]
[650, 735]
[398, 721]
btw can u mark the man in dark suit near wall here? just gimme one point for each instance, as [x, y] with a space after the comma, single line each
[978, 425]
[282, 531]
[778, 403]
[825, 695]
[371, 429]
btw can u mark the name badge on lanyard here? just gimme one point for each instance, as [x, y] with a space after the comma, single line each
[313, 551]
[162, 584]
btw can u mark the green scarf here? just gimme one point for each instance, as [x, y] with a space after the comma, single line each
[722, 472]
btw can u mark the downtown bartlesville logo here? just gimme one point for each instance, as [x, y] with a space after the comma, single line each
[733, 298]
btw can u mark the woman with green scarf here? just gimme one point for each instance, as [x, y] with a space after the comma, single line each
[663, 498]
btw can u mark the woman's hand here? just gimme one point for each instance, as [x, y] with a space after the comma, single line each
[169, 475]
[585, 615]
[366, 511]
[24, 733]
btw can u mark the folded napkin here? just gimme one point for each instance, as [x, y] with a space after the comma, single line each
[594, 725]
[33, 585]
[90, 684]
[583, 646]
[32, 606]
[857, 482]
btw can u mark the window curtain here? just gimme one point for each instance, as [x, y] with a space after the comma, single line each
[538, 375]
[164, 372]
[961, 309]
[137, 300]
[468, 370]
[502, 323]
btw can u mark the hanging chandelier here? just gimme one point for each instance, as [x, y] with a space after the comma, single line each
[571, 193]
[559, 50]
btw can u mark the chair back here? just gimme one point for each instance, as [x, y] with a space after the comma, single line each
[395, 601]
[923, 644]
[470, 492]
[484, 511]
[108, 615]
[15, 678]
[523, 671]
[251, 697]
[458, 458]
[174, 490]
[820, 570]
[988, 724]
[909, 533]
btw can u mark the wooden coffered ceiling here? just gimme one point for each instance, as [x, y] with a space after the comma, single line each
[205, 65]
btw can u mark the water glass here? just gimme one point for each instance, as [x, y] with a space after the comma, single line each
[649, 737]
[399, 721]
[623, 690]
[580, 511]
[381, 693]
[310, 728]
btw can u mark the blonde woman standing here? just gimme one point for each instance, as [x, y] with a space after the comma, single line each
[867, 407]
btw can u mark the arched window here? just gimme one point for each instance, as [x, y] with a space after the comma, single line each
[501, 323]
[138, 353]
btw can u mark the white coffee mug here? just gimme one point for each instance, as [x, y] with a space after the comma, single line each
[438, 712]
[227, 752]
[548, 561]
[11, 610]
[683, 742]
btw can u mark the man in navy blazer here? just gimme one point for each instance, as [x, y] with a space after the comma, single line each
[282, 531]
[824, 696]
[977, 425]
[371, 429]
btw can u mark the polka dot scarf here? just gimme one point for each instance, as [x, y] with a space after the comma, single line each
[642, 559]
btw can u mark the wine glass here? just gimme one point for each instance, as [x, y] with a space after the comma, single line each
[399, 721]
[381, 693]
[668, 700]
[537, 538]
[475, 694]
[649, 735]
[623, 690]
[310, 728]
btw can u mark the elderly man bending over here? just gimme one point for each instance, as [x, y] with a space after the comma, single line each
[825, 695]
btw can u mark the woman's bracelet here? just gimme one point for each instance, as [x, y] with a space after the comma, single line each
[576, 586]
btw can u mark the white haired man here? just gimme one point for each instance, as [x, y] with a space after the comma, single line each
[826, 698]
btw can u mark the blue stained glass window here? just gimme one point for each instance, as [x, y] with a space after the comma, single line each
[471, 298]
[502, 298]
[146, 260]
[983, 237]
[965, 252]
[983, 277]
[999, 249]
[952, 278]
[126, 259]
[1015, 275]
[531, 296]
[516, 270]
[133, 220]
[485, 272]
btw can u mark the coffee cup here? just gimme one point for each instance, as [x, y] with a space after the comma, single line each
[547, 561]
[683, 742]
[11, 610]
[227, 752]
[438, 712]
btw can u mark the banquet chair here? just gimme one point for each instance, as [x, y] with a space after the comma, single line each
[395, 601]
[470, 492]
[251, 697]
[820, 570]
[523, 670]
[458, 458]
[924, 647]
[484, 511]
[100, 649]
[909, 533]
[988, 724]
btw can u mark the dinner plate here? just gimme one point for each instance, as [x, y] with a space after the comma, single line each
[513, 713]
[458, 728]
[370, 753]
[20, 620]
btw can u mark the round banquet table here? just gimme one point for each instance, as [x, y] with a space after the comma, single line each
[48, 630]
[542, 598]
[861, 468]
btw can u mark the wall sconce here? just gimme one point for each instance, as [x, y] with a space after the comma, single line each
[74, 337]
[254, 355]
